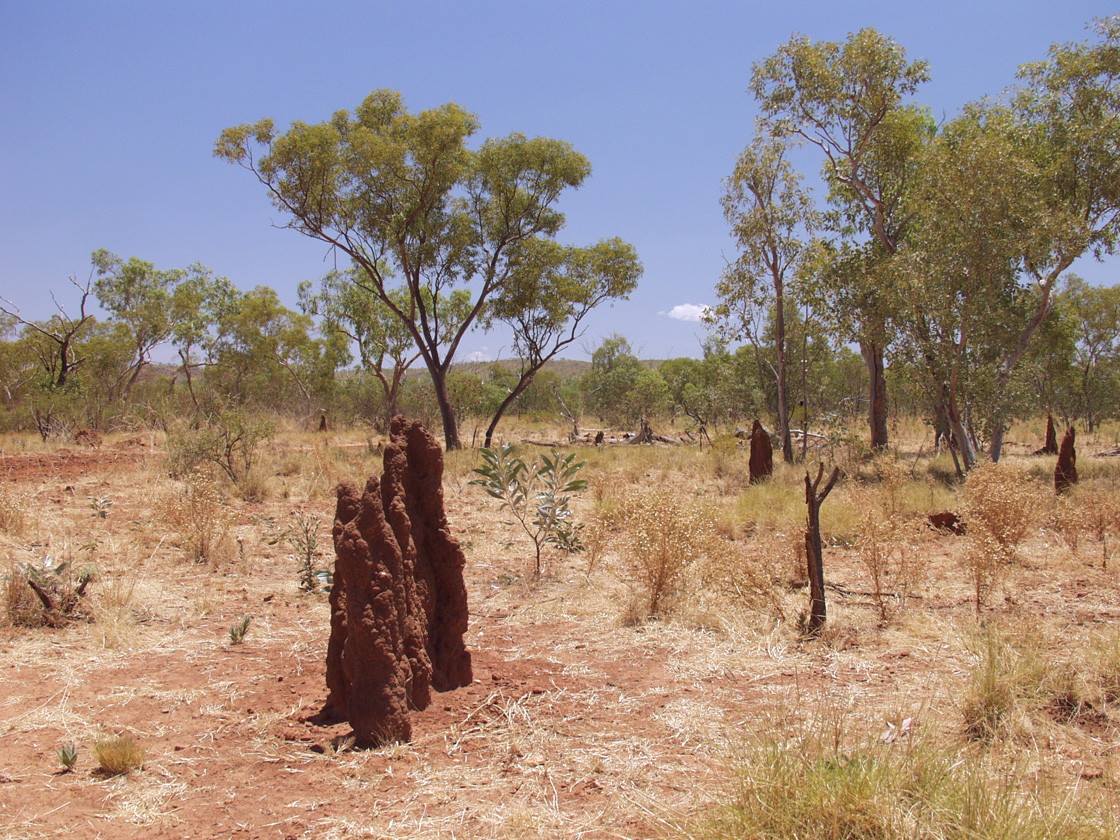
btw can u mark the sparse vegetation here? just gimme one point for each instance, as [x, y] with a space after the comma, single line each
[200, 518]
[724, 573]
[816, 779]
[538, 495]
[1000, 506]
[68, 757]
[118, 754]
[238, 631]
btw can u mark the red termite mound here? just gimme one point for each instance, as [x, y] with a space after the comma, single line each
[1050, 447]
[1065, 473]
[398, 601]
[761, 464]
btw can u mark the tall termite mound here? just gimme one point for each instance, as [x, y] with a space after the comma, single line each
[761, 464]
[398, 601]
[1065, 471]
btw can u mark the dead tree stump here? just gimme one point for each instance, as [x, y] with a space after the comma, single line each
[1065, 472]
[814, 554]
[398, 601]
[761, 464]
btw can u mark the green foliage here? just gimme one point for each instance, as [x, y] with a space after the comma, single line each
[68, 757]
[100, 506]
[472, 214]
[231, 440]
[238, 631]
[538, 495]
[303, 536]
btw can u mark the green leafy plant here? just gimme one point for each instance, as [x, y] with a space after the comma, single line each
[231, 440]
[99, 505]
[237, 632]
[303, 536]
[538, 495]
[67, 757]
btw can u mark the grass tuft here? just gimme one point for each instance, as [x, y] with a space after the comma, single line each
[118, 755]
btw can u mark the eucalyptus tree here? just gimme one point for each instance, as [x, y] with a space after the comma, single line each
[200, 303]
[1068, 111]
[405, 192]
[17, 364]
[258, 340]
[956, 294]
[551, 290]
[138, 297]
[1094, 312]
[384, 344]
[771, 216]
[847, 100]
[54, 342]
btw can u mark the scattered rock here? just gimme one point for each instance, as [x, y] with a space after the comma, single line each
[398, 602]
[1065, 473]
[947, 521]
[761, 464]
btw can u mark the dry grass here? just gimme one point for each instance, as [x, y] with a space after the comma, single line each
[1000, 505]
[118, 754]
[593, 729]
[200, 519]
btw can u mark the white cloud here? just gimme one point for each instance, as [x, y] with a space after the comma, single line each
[688, 311]
[480, 356]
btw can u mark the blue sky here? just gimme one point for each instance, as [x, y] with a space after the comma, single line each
[110, 112]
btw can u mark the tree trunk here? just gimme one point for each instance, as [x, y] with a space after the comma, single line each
[518, 389]
[996, 447]
[813, 550]
[877, 414]
[780, 350]
[190, 381]
[446, 410]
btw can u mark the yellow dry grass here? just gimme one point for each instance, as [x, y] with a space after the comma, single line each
[630, 727]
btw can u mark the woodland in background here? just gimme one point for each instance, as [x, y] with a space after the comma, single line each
[940, 250]
[249, 353]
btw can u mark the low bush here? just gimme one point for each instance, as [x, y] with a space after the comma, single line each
[200, 519]
[118, 755]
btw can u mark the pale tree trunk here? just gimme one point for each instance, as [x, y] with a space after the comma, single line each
[783, 395]
[1046, 303]
[877, 413]
[963, 441]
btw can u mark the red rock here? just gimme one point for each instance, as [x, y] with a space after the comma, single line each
[947, 521]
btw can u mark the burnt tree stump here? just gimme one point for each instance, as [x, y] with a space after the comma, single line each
[1065, 472]
[398, 600]
[814, 555]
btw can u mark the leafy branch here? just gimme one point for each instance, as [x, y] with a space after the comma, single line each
[538, 495]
